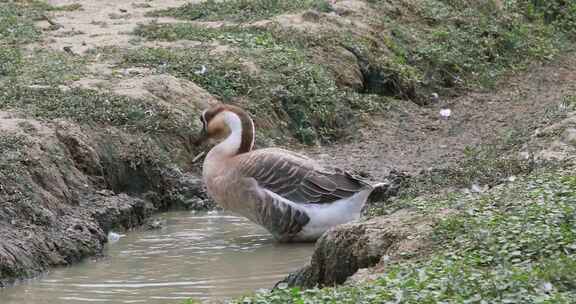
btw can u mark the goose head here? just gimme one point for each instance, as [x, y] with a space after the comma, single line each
[229, 125]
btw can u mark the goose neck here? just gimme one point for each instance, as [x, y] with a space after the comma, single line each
[241, 137]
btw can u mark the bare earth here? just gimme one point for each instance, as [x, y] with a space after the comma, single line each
[411, 138]
[103, 23]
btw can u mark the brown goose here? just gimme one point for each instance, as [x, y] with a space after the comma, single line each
[289, 194]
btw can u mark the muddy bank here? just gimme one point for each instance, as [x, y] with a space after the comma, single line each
[64, 187]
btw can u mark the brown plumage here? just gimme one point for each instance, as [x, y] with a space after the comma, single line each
[289, 194]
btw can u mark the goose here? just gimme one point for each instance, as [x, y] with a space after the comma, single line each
[287, 193]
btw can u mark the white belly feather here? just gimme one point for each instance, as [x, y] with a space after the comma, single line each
[325, 216]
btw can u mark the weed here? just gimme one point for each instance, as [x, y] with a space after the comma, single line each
[43, 67]
[240, 10]
[232, 35]
[559, 13]
[91, 107]
[467, 43]
[12, 157]
[515, 244]
[17, 23]
[67, 8]
[10, 61]
[287, 83]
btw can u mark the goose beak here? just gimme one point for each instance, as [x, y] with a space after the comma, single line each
[199, 142]
[201, 138]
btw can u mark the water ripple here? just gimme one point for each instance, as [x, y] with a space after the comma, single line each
[203, 256]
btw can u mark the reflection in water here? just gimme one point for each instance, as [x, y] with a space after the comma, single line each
[201, 256]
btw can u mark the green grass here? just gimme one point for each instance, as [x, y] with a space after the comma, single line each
[50, 68]
[481, 49]
[10, 62]
[558, 13]
[17, 22]
[39, 67]
[457, 44]
[240, 10]
[514, 244]
[287, 86]
[12, 157]
[453, 45]
[236, 36]
[92, 108]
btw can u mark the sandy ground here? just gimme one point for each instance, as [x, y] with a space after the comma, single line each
[103, 23]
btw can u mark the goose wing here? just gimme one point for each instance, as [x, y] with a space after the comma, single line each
[297, 178]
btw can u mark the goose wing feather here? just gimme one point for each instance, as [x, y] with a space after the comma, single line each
[298, 178]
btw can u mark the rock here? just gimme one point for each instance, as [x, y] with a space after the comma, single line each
[189, 193]
[343, 250]
[85, 157]
[394, 181]
[118, 211]
[569, 136]
[168, 89]
[344, 65]
[311, 16]
[556, 142]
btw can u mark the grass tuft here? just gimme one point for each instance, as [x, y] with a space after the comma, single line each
[287, 84]
[240, 10]
[93, 108]
[17, 23]
[515, 244]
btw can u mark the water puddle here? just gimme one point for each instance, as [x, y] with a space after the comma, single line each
[206, 256]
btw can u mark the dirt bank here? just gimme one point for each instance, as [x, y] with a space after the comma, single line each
[65, 187]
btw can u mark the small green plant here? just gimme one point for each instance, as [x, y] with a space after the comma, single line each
[287, 83]
[69, 7]
[17, 22]
[10, 61]
[559, 13]
[231, 35]
[514, 244]
[50, 68]
[241, 10]
[472, 43]
[92, 107]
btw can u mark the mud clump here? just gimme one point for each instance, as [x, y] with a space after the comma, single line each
[345, 249]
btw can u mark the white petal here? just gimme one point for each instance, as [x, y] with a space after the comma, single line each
[445, 113]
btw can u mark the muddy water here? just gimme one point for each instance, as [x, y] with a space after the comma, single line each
[208, 256]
